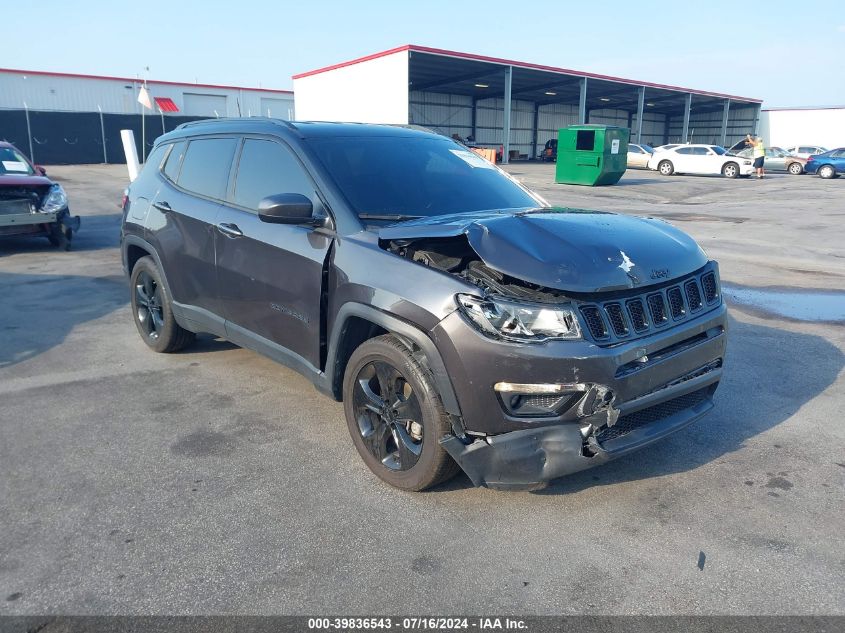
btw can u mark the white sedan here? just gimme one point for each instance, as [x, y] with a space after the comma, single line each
[700, 159]
[638, 154]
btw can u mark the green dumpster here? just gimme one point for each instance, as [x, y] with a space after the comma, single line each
[591, 154]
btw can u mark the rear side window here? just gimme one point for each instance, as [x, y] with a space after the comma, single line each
[685, 150]
[205, 168]
[265, 169]
[174, 160]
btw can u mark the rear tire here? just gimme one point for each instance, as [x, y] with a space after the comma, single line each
[796, 169]
[152, 311]
[730, 170]
[827, 172]
[395, 416]
[666, 167]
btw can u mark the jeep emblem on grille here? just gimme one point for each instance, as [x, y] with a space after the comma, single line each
[659, 273]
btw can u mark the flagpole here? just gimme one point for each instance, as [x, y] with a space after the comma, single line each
[144, 129]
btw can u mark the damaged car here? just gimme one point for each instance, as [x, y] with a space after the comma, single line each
[31, 203]
[464, 323]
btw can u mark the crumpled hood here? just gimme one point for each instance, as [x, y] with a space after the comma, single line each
[567, 249]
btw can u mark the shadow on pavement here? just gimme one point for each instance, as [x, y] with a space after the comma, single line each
[96, 232]
[38, 311]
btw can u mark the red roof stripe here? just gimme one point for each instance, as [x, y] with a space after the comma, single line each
[137, 80]
[510, 62]
[165, 104]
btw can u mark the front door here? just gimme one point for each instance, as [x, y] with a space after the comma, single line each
[270, 275]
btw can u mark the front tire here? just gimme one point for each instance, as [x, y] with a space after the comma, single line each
[60, 237]
[666, 167]
[395, 416]
[152, 311]
[796, 169]
[827, 171]
[730, 170]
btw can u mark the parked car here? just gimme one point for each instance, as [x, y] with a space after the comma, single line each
[805, 151]
[778, 159]
[549, 152]
[699, 159]
[830, 164]
[462, 321]
[31, 203]
[638, 155]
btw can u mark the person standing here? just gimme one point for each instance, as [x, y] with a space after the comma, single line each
[759, 154]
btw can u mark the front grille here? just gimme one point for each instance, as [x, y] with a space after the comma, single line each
[15, 206]
[594, 321]
[657, 309]
[693, 295]
[633, 421]
[676, 302]
[617, 318]
[638, 318]
[708, 283]
[628, 318]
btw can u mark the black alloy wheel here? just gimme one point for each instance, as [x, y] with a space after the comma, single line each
[389, 416]
[148, 306]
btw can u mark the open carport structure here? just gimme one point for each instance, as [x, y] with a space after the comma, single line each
[517, 105]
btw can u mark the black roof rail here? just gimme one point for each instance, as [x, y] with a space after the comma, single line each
[254, 119]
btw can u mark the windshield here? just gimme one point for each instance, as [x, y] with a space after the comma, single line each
[13, 163]
[416, 176]
[719, 150]
[647, 148]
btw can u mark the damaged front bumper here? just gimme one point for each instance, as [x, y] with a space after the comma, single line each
[528, 459]
[623, 397]
[39, 222]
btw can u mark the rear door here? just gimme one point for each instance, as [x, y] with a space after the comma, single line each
[270, 275]
[184, 213]
[683, 160]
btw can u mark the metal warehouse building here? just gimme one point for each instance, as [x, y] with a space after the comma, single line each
[514, 104]
[70, 118]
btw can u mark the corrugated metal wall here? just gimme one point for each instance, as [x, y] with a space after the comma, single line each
[706, 127]
[83, 94]
[452, 115]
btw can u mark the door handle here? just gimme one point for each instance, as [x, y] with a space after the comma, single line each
[229, 230]
[163, 206]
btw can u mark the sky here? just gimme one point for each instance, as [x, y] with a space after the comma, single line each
[784, 52]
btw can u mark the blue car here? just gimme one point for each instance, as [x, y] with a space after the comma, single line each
[827, 165]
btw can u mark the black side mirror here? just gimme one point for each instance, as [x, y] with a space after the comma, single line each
[286, 208]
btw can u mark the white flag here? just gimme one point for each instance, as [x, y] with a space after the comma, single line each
[144, 98]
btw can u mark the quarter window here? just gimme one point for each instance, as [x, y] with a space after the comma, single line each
[267, 168]
[174, 160]
[205, 169]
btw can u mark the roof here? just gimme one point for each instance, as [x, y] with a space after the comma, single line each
[137, 80]
[518, 64]
[305, 129]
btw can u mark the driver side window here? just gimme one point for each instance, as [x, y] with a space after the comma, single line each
[267, 168]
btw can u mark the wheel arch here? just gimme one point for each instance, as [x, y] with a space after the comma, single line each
[356, 323]
[134, 248]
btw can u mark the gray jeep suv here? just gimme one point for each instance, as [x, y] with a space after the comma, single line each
[464, 323]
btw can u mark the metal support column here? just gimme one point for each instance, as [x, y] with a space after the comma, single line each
[640, 110]
[474, 119]
[506, 125]
[582, 102]
[687, 108]
[536, 125]
[757, 119]
[726, 110]
[29, 132]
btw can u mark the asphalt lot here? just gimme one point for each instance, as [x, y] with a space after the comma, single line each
[215, 481]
